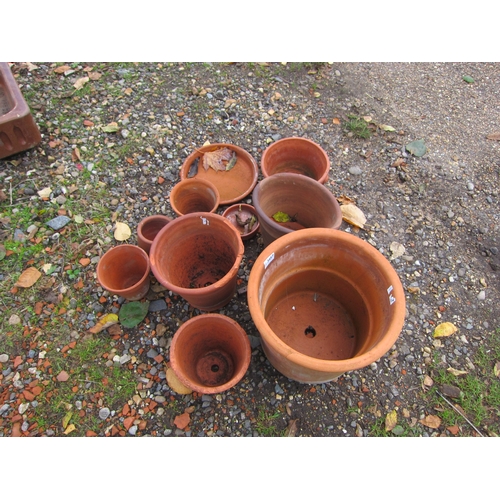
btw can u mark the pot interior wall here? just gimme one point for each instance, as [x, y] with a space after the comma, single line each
[305, 160]
[122, 273]
[195, 200]
[198, 260]
[152, 228]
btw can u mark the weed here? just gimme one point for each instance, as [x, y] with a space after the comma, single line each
[358, 127]
[266, 423]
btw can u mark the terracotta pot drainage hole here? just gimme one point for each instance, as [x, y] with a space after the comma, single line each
[310, 332]
[215, 368]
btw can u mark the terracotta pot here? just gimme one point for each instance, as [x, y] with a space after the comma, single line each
[210, 353]
[240, 216]
[197, 256]
[124, 270]
[296, 155]
[308, 202]
[325, 302]
[194, 195]
[234, 184]
[148, 228]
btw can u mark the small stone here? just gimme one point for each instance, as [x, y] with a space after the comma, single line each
[62, 377]
[58, 222]
[104, 413]
[4, 358]
[23, 407]
[481, 295]
[19, 236]
[355, 170]
[470, 186]
[14, 320]
[157, 305]
[133, 430]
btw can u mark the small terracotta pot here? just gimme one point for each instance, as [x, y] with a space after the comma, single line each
[194, 195]
[240, 216]
[210, 353]
[296, 155]
[124, 270]
[307, 201]
[325, 302]
[197, 256]
[148, 228]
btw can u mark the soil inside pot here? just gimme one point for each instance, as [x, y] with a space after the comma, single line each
[209, 263]
[320, 321]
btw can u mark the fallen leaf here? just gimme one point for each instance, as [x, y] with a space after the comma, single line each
[28, 277]
[75, 154]
[292, 429]
[132, 313]
[432, 421]
[468, 79]
[80, 83]
[345, 200]
[416, 148]
[78, 219]
[69, 429]
[456, 372]
[122, 231]
[66, 419]
[495, 136]
[175, 384]
[387, 128]
[397, 250]
[445, 330]
[3, 252]
[353, 215]
[391, 419]
[111, 127]
[104, 322]
[94, 75]
[62, 69]
[496, 369]
[45, 192]
[214, 159]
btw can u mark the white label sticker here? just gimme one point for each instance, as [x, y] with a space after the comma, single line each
[205, 221]
[268, 260]
[392, 299]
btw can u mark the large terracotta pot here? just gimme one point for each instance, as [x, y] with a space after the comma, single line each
[297, 155]
[148, 228]
[124, 270]
[325, 302]
[197, 256]
[308, 202]
[194, 195]
[210, 353]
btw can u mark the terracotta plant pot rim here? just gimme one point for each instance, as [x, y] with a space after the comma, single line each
[245, 360]
[323, 178]
[124, 290]
[322, 365]
[185, 183]
[214, 286]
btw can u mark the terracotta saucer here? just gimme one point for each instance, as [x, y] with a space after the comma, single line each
[240, 216]
[234, 184]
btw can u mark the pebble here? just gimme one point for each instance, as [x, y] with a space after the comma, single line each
[481, 295]
[157, 305]
[104, 413]
[355, 170]
[58, 222]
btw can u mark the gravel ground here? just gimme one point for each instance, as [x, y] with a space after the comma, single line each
[442, 207]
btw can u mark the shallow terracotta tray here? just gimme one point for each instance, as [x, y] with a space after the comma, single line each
[246, 212]
[234, 184]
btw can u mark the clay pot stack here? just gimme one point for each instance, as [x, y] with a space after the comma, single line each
[343, 288]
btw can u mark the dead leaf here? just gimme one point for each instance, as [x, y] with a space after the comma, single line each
[66, 419]
[69, 429]
[345, 200]
[445, 330]
[456, 372]
[45, 192]
[391, 419]
[111, 127]
[28, 277]
[496, 369]
[432, 421]
[292, 429]
[80, 83]
[105, 322]
[387, 128]
[214, 159]
[353, 215]
[94, 75]
[397, 250]
[174, 383]
[62, 69]
[495, 136]
[122, 231]
[75, 154]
